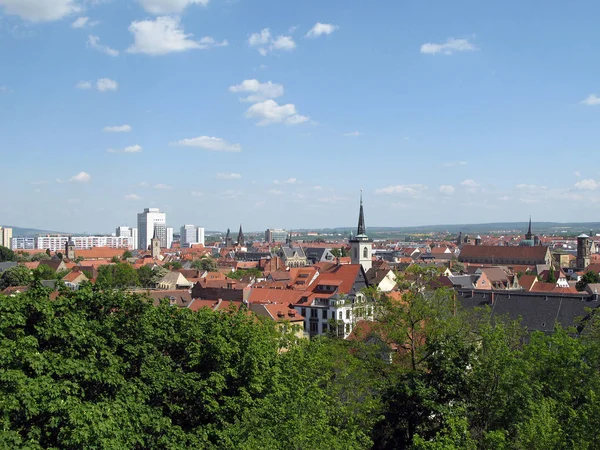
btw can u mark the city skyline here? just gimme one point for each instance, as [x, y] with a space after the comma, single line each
[221, 113]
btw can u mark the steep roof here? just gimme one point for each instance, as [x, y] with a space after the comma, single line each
[503, 252]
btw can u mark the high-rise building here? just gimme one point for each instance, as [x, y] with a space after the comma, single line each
[149, 221]
[200, 236]
[272, 235]
[124, 231]
[169, 237]
[6, 237]
[188, 235]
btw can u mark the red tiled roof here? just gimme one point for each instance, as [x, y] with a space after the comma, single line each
[503, 252]
[274, 295]
[100, 253]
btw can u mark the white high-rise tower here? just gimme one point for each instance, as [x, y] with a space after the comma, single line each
[149, 221]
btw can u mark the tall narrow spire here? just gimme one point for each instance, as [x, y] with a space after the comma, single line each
[529, 234]
[362, 230]
[241, 237]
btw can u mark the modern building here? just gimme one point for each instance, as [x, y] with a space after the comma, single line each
[200, 236]
[169, 237]
[148, 222]
[276, 235]
[6, 237]
[188, 235]
[58, 243]
[23, 243]
[124, 231]
[361, 247]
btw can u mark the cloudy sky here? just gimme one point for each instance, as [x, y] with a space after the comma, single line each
[276, 113]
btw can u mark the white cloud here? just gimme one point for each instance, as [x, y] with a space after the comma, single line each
[165, 35]
[210, 143]
[84, 85]
[288, 181]
[40, 10]
[269, 112]
[80, 22]
[265, 43]
[321, 29]
[228, 176]
[591, 100]
[455, 163]
[81, 177]
[94, 42]
[132, 197]
[162, 186]
[106, 84]
[169, 6]
[446, 189]
[587, 185]
[144, 184]
[409, 189]
[275, 192]
[197, 194]
[117, 129]
[130, 149]
[531, 187]
[353, 134]
[470, 183]
[449, 47]
[258, 91]
[318, 188]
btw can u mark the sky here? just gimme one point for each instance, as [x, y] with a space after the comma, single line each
[275, 114]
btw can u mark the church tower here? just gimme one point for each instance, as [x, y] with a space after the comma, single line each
[155, 246]
[240, 238]
[529, 235]
[361, 247]
[70, 249]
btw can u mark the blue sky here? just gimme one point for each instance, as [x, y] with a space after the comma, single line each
[276, 113]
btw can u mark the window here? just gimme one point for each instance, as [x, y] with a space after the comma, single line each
[314, 313]
[314, 328]
[347, 314]
[366, 252]
[324, 328]
[324, 314]
[303, 312]
[340, 316]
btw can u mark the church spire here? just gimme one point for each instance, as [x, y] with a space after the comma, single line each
[240, 237]
[362, 230]
[529, 234]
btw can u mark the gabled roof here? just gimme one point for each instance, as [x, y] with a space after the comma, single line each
[274, 296]
[279, 312]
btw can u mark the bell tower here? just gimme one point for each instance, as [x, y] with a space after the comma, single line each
[361, 247]
[155, 246]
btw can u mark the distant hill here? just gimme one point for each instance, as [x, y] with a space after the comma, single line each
[498, 228]
[31, 232]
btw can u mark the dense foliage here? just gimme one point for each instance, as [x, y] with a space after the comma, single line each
[106, 369]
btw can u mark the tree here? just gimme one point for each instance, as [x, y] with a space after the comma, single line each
[587, 278]
[42, 256]
[6, 254]
[120, 275]
[127, 254]
[241, 273]
[174, 265]
[15, 276]
[551, 276]
[206, 263]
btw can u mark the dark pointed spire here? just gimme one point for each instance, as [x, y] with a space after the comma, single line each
[240, 237]
[362, 230]
[155, 236]
[529, 234]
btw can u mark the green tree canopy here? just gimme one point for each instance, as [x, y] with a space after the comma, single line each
[15, 276]
[205, 264]
[6, 254]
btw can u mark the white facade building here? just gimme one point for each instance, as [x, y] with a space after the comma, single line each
[200, 236]
[23, 243]
[124, 231]
[6, 237]
[169, 237]
[58, 243]
[148, 222]
[188, 235]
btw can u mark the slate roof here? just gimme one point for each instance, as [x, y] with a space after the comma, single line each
[503, 252]
[6, 265]
[538, 311]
